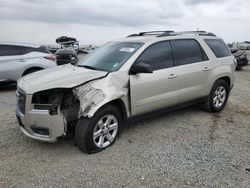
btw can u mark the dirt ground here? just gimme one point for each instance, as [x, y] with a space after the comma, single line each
[184, 148]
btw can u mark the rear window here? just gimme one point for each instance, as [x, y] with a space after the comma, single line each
[218, 47]
[42, 49]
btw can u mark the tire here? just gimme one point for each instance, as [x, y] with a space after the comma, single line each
[30, 71]
[216, 100]
[106, 137]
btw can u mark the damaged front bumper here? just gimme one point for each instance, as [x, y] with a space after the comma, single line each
[39, 124]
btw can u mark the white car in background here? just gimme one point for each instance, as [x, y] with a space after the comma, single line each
[20, 59]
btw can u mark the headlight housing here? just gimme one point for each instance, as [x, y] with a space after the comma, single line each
[51, 96]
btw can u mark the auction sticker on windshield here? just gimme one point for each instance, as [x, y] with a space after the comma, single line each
[127, 50]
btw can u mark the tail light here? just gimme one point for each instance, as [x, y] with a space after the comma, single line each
[51, 57]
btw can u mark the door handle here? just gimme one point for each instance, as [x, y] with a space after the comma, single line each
[21, 60]
[171, 76]
[206, 69]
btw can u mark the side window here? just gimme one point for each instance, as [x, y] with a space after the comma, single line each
[42, 49]
[188, 51]
[218, 47]
[158, 55]
[8, 50]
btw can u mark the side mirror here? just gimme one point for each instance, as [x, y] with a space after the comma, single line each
[141, 68]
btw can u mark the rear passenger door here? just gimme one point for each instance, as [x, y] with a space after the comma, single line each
[194, 68]
[152, 91]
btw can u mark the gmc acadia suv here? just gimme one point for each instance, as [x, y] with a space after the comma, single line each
[124, 78]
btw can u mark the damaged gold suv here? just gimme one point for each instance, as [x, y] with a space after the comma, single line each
[125, 78]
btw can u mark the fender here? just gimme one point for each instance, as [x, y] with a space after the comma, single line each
[95, 94]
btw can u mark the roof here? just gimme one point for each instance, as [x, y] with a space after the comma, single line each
[20, 44]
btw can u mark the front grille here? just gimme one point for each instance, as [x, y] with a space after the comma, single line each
[21, 97]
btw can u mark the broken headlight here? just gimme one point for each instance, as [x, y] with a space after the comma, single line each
[48, 99]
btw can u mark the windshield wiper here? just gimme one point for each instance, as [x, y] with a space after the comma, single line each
[87, 66]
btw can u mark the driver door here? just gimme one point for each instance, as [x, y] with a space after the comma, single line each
[157, 90]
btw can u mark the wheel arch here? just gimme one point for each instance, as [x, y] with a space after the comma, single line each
[32, 68]
[121, 106]
[226, 79]
[118, 102]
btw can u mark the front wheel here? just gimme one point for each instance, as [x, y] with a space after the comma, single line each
[99, 132]
[218, 96]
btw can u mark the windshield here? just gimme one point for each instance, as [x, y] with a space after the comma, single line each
[111, 56]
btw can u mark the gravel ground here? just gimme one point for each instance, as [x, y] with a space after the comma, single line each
[185, 148]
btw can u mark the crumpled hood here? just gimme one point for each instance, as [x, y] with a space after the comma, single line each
[66, 76]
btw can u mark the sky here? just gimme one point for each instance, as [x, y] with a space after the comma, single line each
[99, 21]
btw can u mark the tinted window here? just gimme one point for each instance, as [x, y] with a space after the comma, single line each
[187, 52]
[218, 47]
[7, 50]
[159, 56]
[42, 49]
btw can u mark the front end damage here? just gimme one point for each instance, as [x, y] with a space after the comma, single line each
[89, 97]
[48, 114]
[53, 113]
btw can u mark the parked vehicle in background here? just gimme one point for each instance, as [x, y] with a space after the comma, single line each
[245, 45]
[20, 59]
[68, 52]
[241, 57]
[53, 49]
[87, 50]
[122, 79]
[66, 56]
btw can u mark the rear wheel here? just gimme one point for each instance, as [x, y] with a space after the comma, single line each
[99, 132]
[218, 96]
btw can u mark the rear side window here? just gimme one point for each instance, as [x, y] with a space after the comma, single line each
[8, 50]
[158, 55]
[187, 51]
[218, 47]
[42, 49]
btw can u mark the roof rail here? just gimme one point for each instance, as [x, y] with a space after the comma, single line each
[202, 33]
[133, 35]
[153, 32]
[149, 33]
[172, 33]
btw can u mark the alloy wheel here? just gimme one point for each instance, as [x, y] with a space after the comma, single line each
[105, 131]
[219, 96]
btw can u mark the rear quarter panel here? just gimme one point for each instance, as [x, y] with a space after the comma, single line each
[226, 68]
